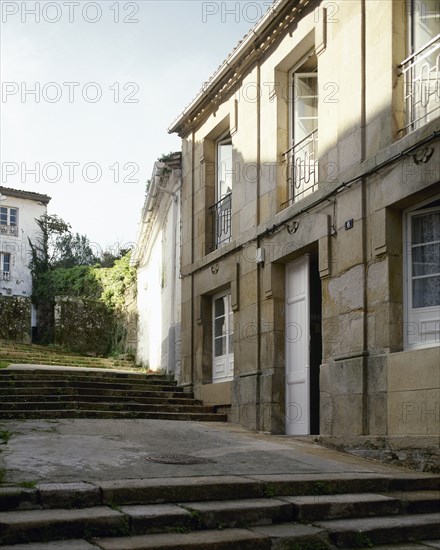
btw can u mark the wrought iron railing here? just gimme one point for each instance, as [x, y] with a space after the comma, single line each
[9, 230]
[5, 275]
[302, 167]
[421, 72]
[221, 213]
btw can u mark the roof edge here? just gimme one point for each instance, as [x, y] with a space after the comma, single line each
[233, 59]
[30, 195]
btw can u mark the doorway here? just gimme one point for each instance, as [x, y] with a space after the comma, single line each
[303, 345]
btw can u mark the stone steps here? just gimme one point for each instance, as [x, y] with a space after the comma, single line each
[220, 512]
[35, 354]
[84, 374]
[64, 360]
[23, 414]
[71, 382]
[363, 532]
[101, 406]
[148, 398]
[45, 393]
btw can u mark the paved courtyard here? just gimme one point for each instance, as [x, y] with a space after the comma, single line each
[87, 450]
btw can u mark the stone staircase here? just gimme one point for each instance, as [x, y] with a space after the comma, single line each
[14, 352]
[70, 392]
[295, 512]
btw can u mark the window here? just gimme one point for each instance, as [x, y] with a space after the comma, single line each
[5, 266]
[222, 209]
[223, 338]
[8, 221]
[302, 157]
[422, 276]
[421, 68]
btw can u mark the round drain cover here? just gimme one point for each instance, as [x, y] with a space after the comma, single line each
[178, 459]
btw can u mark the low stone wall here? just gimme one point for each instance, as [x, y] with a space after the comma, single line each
[83, 325]
[421, 453]
[15, 318]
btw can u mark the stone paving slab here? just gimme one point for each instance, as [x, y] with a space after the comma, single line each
[310, 508]
[34, 525]
[90, 450]
[179, 489]
[233, 513]
[230, 539]
[69, 495]
[345, 532]
[289, 484]
[54, 545]
[294, 535]
[155, 516]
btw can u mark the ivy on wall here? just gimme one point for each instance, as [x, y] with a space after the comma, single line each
[15, 318]
[101, 316]
[83, 325]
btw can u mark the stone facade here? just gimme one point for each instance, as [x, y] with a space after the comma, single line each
[344, 196]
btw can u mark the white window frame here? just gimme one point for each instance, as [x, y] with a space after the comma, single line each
[421, 325]
[8, 228]
[5, 275]
[223, 211]
[420, 69]
[303, 190]
[223, 365]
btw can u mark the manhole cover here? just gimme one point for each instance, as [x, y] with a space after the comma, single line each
[178, 459]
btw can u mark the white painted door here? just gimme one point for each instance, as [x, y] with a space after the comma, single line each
[223, 339]
[297, 347]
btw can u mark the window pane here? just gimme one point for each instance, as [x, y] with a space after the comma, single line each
[426, 292]
[13, 216]
[4, 216]
[220, 327]
[219, 308]
[220, 346]
[305, 99]
[6, 262]
[224, 159]
[425, 22]
[426, 260]
[426, 228]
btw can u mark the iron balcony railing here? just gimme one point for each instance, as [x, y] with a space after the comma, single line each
[11, 230]
[221, 213]
[421, 72]
[302, 167]
[5, 275]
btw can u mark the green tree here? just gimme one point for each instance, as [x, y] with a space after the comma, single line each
[43, 250]
[71, 250]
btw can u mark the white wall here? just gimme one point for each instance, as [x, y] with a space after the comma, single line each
[158, 282]
[20, 283]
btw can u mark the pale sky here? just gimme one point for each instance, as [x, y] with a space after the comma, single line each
[107, 91]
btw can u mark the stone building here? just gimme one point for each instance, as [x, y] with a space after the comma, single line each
[311, 223]
[19, 211]
[157, 258]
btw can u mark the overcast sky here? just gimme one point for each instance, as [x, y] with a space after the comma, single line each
[108, 79]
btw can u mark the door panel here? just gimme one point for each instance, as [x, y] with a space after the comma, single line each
[297, 347]
[223, 336]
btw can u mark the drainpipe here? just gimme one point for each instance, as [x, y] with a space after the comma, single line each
[365, 421]
[258, 267]
[193, 151]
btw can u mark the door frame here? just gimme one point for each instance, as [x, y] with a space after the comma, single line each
[302, 328]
